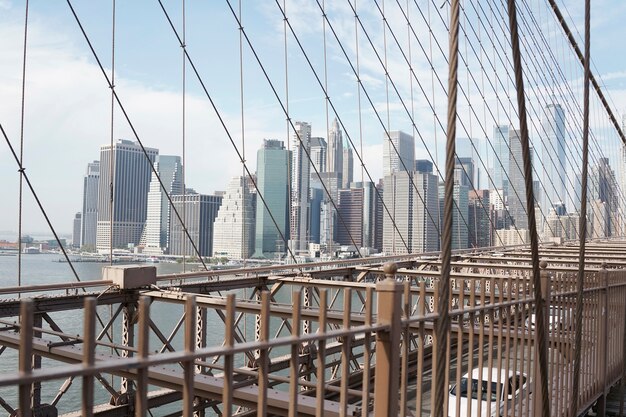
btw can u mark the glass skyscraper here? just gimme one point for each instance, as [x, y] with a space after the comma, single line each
[272, 183]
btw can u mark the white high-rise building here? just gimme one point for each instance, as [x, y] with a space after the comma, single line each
[90, 206]
[300, 182]
[348, 168]
[156, 234]
[233, 230]
[412, 199]
[398, 152]
[554, 161]
[334, 160]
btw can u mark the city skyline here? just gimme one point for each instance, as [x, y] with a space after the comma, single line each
[151, 90]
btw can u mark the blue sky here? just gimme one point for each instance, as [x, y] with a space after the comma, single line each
[68, 102]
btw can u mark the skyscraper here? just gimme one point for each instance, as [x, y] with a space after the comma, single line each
[464, 172]
[91, 183]
[319, 148]
[130, 182]
[501, 158]
[398, 152]
[76, 230]
[480, 215]
[233, 230]
[300, 170]
[199, 211]
[412, 201]
[357, 210]
[272, 183]
[156, 234]
[517, 187]
[554, 160]
[460, 211]
[348, 168]
[334, 160]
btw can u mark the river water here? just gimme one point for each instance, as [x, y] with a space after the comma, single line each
[46, 269]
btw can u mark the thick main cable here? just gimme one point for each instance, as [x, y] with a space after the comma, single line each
[583, 219]
[528, 179]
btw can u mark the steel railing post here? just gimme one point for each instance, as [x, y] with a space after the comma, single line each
[389, 305]
[604, 281]
[545, 295]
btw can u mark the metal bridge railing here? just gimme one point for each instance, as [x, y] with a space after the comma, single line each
[382, 361]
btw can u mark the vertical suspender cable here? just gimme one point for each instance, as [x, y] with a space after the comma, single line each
[443, 319]
[112, 153]
[288, 123]
[583, 218]
[245, 190]
[530, 202]
[184, 120]
[21, 170]
[358, 88]
[329, 223]
[432, 90]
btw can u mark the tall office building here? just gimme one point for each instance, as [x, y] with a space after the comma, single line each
[300, 170]
[348, 168]
[233, 230]
[379, 215]
[460, 211]
[91, 182]
[398, 152]
[319, 148]
[423, 165]
[554, 160]
[76, 230]
[272, 183]
[334, 159]
[357, 210]
[603, 188]
[480, 215]
[315, 213]
[412, 201]
[464, 172]
[501, 158]
[156, 235]
[130, 182]
[517, 188]
[199, 211]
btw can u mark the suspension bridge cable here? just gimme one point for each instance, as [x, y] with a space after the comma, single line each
[22, 171]
[340, 121]
[471, 26]
[442, 324]
[298, 136]
[222, 122]
[21, 158]
[573, 100]
[112, 126]
[183, 46]
[583, 220]
[132, 127]
[534, 244]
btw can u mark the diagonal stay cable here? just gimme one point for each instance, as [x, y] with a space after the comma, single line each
[22, 171]
[339, 119]
[132, 127]
[280, 102]
[528, 179]
[223, 123]
[369, 99]
[583, 220]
